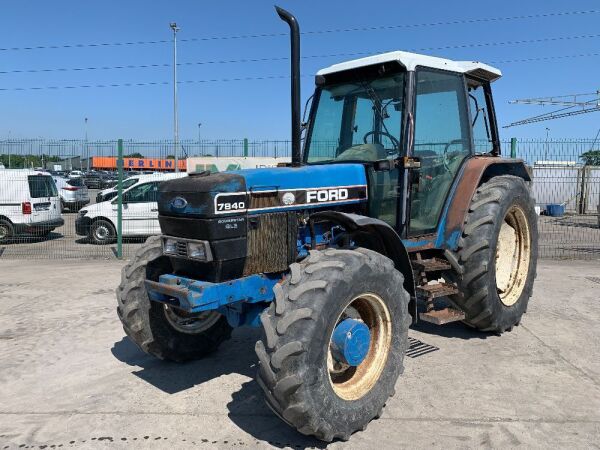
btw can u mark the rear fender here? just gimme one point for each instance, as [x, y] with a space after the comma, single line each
[476, 171]
[386, 241]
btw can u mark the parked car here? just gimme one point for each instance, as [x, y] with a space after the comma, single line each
[110, 193]
[29, 203]
[75, 174]
[96, 180]
[140, 212]
[73, 193]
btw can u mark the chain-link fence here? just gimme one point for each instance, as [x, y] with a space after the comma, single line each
[76, 215]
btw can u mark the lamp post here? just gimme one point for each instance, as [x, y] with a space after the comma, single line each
[175, 29]
[199, 140]
[87, 153]
[547, 144]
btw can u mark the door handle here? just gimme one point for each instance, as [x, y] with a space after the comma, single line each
[154, 209]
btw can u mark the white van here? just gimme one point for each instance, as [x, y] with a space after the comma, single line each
[140, 212]
[29, 203]
[110, 193]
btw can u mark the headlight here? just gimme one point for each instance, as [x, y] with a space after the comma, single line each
[170, 246]
[197, 250]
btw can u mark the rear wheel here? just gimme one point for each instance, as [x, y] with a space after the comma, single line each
[161, 331]
[6, 231]
[334, 341]
[498, 255]
[102, 232]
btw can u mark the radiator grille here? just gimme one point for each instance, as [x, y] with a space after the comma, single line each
[271, 242]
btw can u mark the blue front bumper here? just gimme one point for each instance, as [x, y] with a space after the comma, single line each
[195, 296]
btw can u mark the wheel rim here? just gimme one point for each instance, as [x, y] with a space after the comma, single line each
[513, 254]
[352, 383]
[101, 232]
[191, 323]
[3, 231]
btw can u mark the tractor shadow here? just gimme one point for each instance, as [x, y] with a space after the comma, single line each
[234, 356]
[247, 408]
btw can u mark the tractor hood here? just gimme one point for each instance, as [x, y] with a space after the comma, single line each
[255, 191]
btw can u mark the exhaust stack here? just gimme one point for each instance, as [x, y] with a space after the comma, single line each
[295, 68]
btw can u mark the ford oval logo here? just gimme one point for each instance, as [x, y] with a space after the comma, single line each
[179, 203]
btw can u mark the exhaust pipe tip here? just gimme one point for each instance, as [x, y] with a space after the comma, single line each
[287, 17]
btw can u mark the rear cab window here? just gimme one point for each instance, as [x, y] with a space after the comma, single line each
[41, 186]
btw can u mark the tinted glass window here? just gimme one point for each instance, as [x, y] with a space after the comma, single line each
[358, 121]
[147, 192]
[75, 182]
[442, 141]
[41, 186]
[479, 120]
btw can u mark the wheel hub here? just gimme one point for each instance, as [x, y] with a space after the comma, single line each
[359, 346]
[350, 342]
[512, 256]
[102, 232]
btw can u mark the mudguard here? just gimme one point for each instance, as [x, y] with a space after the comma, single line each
[390, 243]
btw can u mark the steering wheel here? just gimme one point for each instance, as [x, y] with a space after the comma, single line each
[395, 141]
[445, 154]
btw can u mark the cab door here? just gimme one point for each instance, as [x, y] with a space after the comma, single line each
[442, 141]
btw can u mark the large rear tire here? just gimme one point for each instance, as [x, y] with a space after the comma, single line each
[163, 332]
[302, 382]
[497, 255]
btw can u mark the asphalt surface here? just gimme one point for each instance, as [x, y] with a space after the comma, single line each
[69, 378]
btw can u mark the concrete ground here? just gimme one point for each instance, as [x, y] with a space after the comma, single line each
[69, 377]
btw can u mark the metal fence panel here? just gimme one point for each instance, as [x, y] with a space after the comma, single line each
[559, 177]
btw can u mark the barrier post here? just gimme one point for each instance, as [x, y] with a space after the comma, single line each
[120, 199]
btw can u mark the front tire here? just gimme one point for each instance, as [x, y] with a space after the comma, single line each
[163, 332]
[102, 232]
[497, 255]
[302, 383]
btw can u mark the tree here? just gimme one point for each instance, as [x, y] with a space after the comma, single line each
[134, 155]
[591, 158]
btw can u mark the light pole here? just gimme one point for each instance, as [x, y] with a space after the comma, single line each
[87, 153]
[199, 140]
[547, 144]
[175, 29]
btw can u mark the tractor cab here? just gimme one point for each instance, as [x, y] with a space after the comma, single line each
[412, 121]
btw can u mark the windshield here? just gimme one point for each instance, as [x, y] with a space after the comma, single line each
[357, 121]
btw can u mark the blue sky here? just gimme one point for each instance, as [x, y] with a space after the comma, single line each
[260, 108]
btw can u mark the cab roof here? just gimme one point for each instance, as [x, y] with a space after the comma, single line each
[411, 60]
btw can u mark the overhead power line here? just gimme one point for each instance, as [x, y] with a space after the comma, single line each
[284, 58]
[313, 32]
[573, 104]
[148, 83]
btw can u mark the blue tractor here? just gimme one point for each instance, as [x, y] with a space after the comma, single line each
[398, 209]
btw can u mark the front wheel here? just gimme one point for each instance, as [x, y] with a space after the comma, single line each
[334, 342]
[102, 232]
[161, 331]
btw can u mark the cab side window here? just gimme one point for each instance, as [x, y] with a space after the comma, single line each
[482, 138]
[442, 142]
[144, 193]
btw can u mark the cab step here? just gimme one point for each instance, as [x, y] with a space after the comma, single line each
[431, 291]
[442, 316]
[431, 265]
